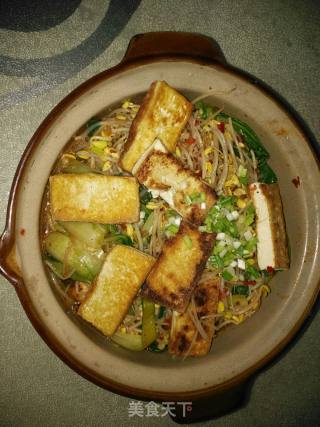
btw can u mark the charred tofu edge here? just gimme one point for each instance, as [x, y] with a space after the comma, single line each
[182, 325]
[206, 241]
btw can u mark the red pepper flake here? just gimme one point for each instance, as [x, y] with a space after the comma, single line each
[249, 282]
[296, 181]
[190, 141]
[221, 126]
[22, 231]
[270, 269]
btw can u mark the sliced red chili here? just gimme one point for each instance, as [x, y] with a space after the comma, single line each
[270, 269]
[221, 126]
[249, 282]
[296, 181]
[190, 141]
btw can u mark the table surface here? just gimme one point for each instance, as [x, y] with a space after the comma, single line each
[47, 49]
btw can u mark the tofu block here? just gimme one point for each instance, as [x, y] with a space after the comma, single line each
[182, 341]
[179, 267]
[119, 281]
[183, 190]
[94, 198]
[272, 249]
[163, 114]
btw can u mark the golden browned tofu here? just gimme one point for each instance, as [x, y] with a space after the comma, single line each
[179, 267]
[179, 187]
[163, 114]
[94, 198]
[272, 248]
[185, 339]
[119, 281]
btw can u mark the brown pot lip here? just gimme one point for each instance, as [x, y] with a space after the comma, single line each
[7, 238]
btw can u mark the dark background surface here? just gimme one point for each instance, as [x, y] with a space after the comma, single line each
[47, 48]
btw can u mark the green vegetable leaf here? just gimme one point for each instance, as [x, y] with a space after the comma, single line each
[123, 239]
[240, 290]
[266, 174]
[93, 125]
[250, 214]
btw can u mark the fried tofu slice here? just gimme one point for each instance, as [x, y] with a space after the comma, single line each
[185, 339]
[179, 267]
[163, 114]
[272, 248]
[183, 190]
[94, 198]
[119, 281]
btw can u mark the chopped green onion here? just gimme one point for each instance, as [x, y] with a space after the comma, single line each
[172, 229]
[227, 275]
[250, 214]
[252, 272]
[216, 261]
[188, 242]
[187, 200]
[170, 213]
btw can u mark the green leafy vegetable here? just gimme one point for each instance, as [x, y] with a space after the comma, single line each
[155, 349]
[120, 238]
[161, 312]
[205, 110]
[74, 255]
[250, 137]
[266, 174]
[75, 166]
[92, 126]
[129, 341]
[149, 332]
[145, 197]
[240, 290]
[87, 232]
[251, 272]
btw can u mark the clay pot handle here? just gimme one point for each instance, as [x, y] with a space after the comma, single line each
[173, 44]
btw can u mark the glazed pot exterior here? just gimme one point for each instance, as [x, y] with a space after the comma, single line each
[193, 65]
